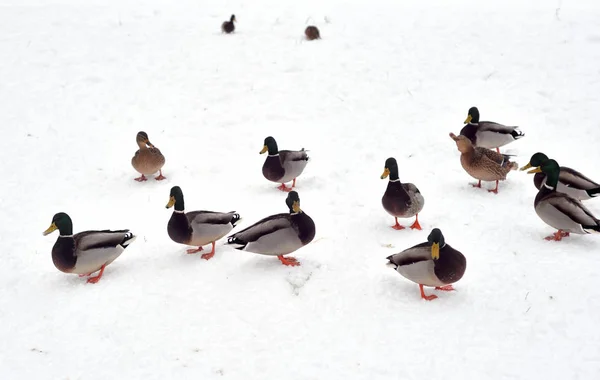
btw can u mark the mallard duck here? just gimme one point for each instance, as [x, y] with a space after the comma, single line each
[401, 200]
[433, 263]
[282, 166]
[85, 252]
[559, 210]
[312, 33]
[487, 134]
[483, 164]
[570, 181]
[197, 228]
[279, 234]
[229, 26]
[148, 159]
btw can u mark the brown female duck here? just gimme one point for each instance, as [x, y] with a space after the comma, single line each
[148, 159]
[481, 163]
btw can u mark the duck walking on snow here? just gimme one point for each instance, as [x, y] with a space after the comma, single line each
[197, 228]
[481, 163]
[433, 263]
[279, 234]
[559, 210]
[148, 159]
[570, 181]
[282, 166]
[85, 252]
[401, 200]
[487, 134]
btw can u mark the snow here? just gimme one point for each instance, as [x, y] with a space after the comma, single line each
[80, 79]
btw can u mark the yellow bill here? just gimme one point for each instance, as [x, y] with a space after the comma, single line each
[536, 170]
[526, 166]
[435, 251]
[171, 202]
[296, 206]
[50, 229]
[468, 119]
[264, 149]
[386, 172]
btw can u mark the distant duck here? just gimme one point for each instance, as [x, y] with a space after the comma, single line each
[279, 234]
[197, 228]
[433, 263]
[282, 166]
[148, 159]
[401, 200]
[228, 26]
[487, 134]
[85, 252]
[483, 164]
[312, 33]
[559, 210]
[570, 181]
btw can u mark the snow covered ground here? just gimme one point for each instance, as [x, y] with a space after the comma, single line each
[78, 80]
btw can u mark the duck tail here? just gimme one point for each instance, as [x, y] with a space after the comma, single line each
[390, 263]
[517, 134]
[235, 219]
[236, 242]
[128, 239]
[594, 192]
[592, 229]
[514, 166]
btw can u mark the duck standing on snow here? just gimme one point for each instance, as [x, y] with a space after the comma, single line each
[487, 134]
[433, 263]
[570, 181]
[85, 252]
[282, 166]
[229, 26]
[148, 159]
[197, 228]
[559, 210]
[312, 33]
[401, 200]
[481, 163]
[279, 234]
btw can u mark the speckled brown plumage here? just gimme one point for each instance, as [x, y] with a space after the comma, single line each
[481, 163]
[148, 159]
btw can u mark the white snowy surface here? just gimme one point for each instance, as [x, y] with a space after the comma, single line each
[79, 79]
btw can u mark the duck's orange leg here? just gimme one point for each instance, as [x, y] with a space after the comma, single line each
[495, 191]
[160, 176]
[93, 280]
[208, 256]
[416, 224]
[425, 297]
[142, 178]
[558, 235]
[283, 187]
[289, 261]
[478, 185]
[397, 226]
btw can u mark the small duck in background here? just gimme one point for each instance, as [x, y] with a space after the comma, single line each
[487, 134]
[279, 234]
[197, 228]
[282, 166]
[432, 263]
[312, 33]
[148, 159]
[559, 210]
[86, 252]
[401, 200]
[570, 181]
[229, 26]
[481, 163]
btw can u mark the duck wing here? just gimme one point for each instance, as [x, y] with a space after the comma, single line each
[293, 155]
[572, 208]
[211, 217]
[261, 228]
[574, 179]
[500, 128]
[88, 240]
[412, 255]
